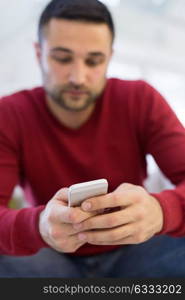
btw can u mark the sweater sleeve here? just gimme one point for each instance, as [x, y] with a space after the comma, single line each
[19, 233]
[163, 136]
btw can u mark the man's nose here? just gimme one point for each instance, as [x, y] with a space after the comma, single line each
[78, 73]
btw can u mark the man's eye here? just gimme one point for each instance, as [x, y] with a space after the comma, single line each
[93, 62]
[64, 60]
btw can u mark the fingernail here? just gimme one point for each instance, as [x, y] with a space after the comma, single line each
[86, 205]
[82, 236]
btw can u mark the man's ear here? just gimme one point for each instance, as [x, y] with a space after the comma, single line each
[37, 48]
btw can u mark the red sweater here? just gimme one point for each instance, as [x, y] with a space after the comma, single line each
[130, 120]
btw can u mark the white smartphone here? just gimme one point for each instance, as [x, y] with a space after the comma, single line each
[81, 191]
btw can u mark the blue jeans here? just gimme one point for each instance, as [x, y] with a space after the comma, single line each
[160, 257]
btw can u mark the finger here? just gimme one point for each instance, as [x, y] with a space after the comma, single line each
[62, 195]
[60, 213]
[116, 199]
[126, 241]
[68, 245]
[63, 231]
[106, 235]
[109, 220]
[132, 239]
[63, 237]
[125, 186]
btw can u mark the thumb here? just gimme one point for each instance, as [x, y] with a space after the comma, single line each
[62, 194]
[125, 186]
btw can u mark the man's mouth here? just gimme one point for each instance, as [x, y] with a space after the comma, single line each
[76, 92]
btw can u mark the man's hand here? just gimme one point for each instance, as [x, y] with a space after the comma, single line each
[140, 217]
[56, 223]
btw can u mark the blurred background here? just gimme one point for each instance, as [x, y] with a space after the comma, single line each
[150, 44]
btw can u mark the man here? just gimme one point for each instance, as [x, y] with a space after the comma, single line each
[82, 126]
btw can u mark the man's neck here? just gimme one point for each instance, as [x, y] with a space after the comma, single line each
[70, 119]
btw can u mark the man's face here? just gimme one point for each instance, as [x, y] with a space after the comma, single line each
[74, 57]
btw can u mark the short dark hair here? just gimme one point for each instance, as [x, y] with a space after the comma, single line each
[92, 11]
